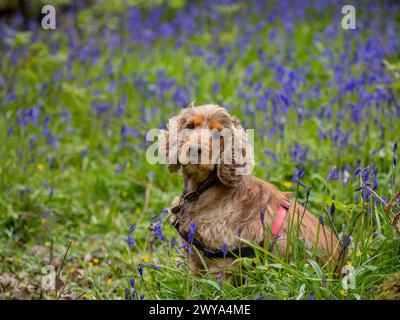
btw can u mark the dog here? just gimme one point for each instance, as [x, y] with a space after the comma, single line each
[222, 204]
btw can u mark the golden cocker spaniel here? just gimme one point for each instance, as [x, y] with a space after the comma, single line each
[221, 202]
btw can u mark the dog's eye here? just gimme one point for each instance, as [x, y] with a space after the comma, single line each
[190, 126]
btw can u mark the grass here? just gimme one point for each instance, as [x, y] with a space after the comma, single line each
[76, 103]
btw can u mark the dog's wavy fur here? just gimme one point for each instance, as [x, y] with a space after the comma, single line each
[236, 201]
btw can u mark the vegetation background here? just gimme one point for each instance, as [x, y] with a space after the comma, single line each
[76, 103]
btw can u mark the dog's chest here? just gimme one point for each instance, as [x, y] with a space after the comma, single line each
[213, 223]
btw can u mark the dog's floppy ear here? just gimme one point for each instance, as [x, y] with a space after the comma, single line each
[236, 159]
[169, 145]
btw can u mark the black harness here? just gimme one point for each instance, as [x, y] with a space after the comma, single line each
[245, 251]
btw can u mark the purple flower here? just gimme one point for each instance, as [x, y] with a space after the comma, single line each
[333, 174]
[141, 265]
[346, 241]
[224, 249]
[216, 87]
[262, 216]
[158, 232]
[332, 209]
[395, 147]
[47, 215]
[32, 141]
[298, 174]
[127, 294]
[321, 220]
[132, 282]
[140, 269]
[186, 246]
[219, 278]
[308, 192]
[129, 132]
[141, 297]
[130, 241]
[192, 229]
[120, 110]
[298, 153]
[10, 131]
[367, 174]
[271, 154]
[132, 228]
[239, 231]
[173, 242]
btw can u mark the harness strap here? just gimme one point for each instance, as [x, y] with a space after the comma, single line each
[280, 217]
[245, 251]
[194, 195]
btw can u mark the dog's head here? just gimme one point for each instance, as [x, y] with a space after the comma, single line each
[206, 138]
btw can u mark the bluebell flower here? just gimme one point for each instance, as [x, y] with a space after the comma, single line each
[10, 131]
[140, 269]
[299, 154]
[224, 249]
[129, 131]
[85, 152]
[219, 278]
[298, 174]
[157, 230]
[271, 154]
[346, 241]
[308, 192]
[262, 216]
[47, 214]
[173, 242]
[130, 241]
[333, 174]
[132, 228]
[186, 246]
[141, 265]
[332, 209]
[192, 229]
[127, 294]
[32, 141]
[216, 87]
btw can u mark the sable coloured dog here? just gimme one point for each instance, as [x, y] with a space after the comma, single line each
[222, 202]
